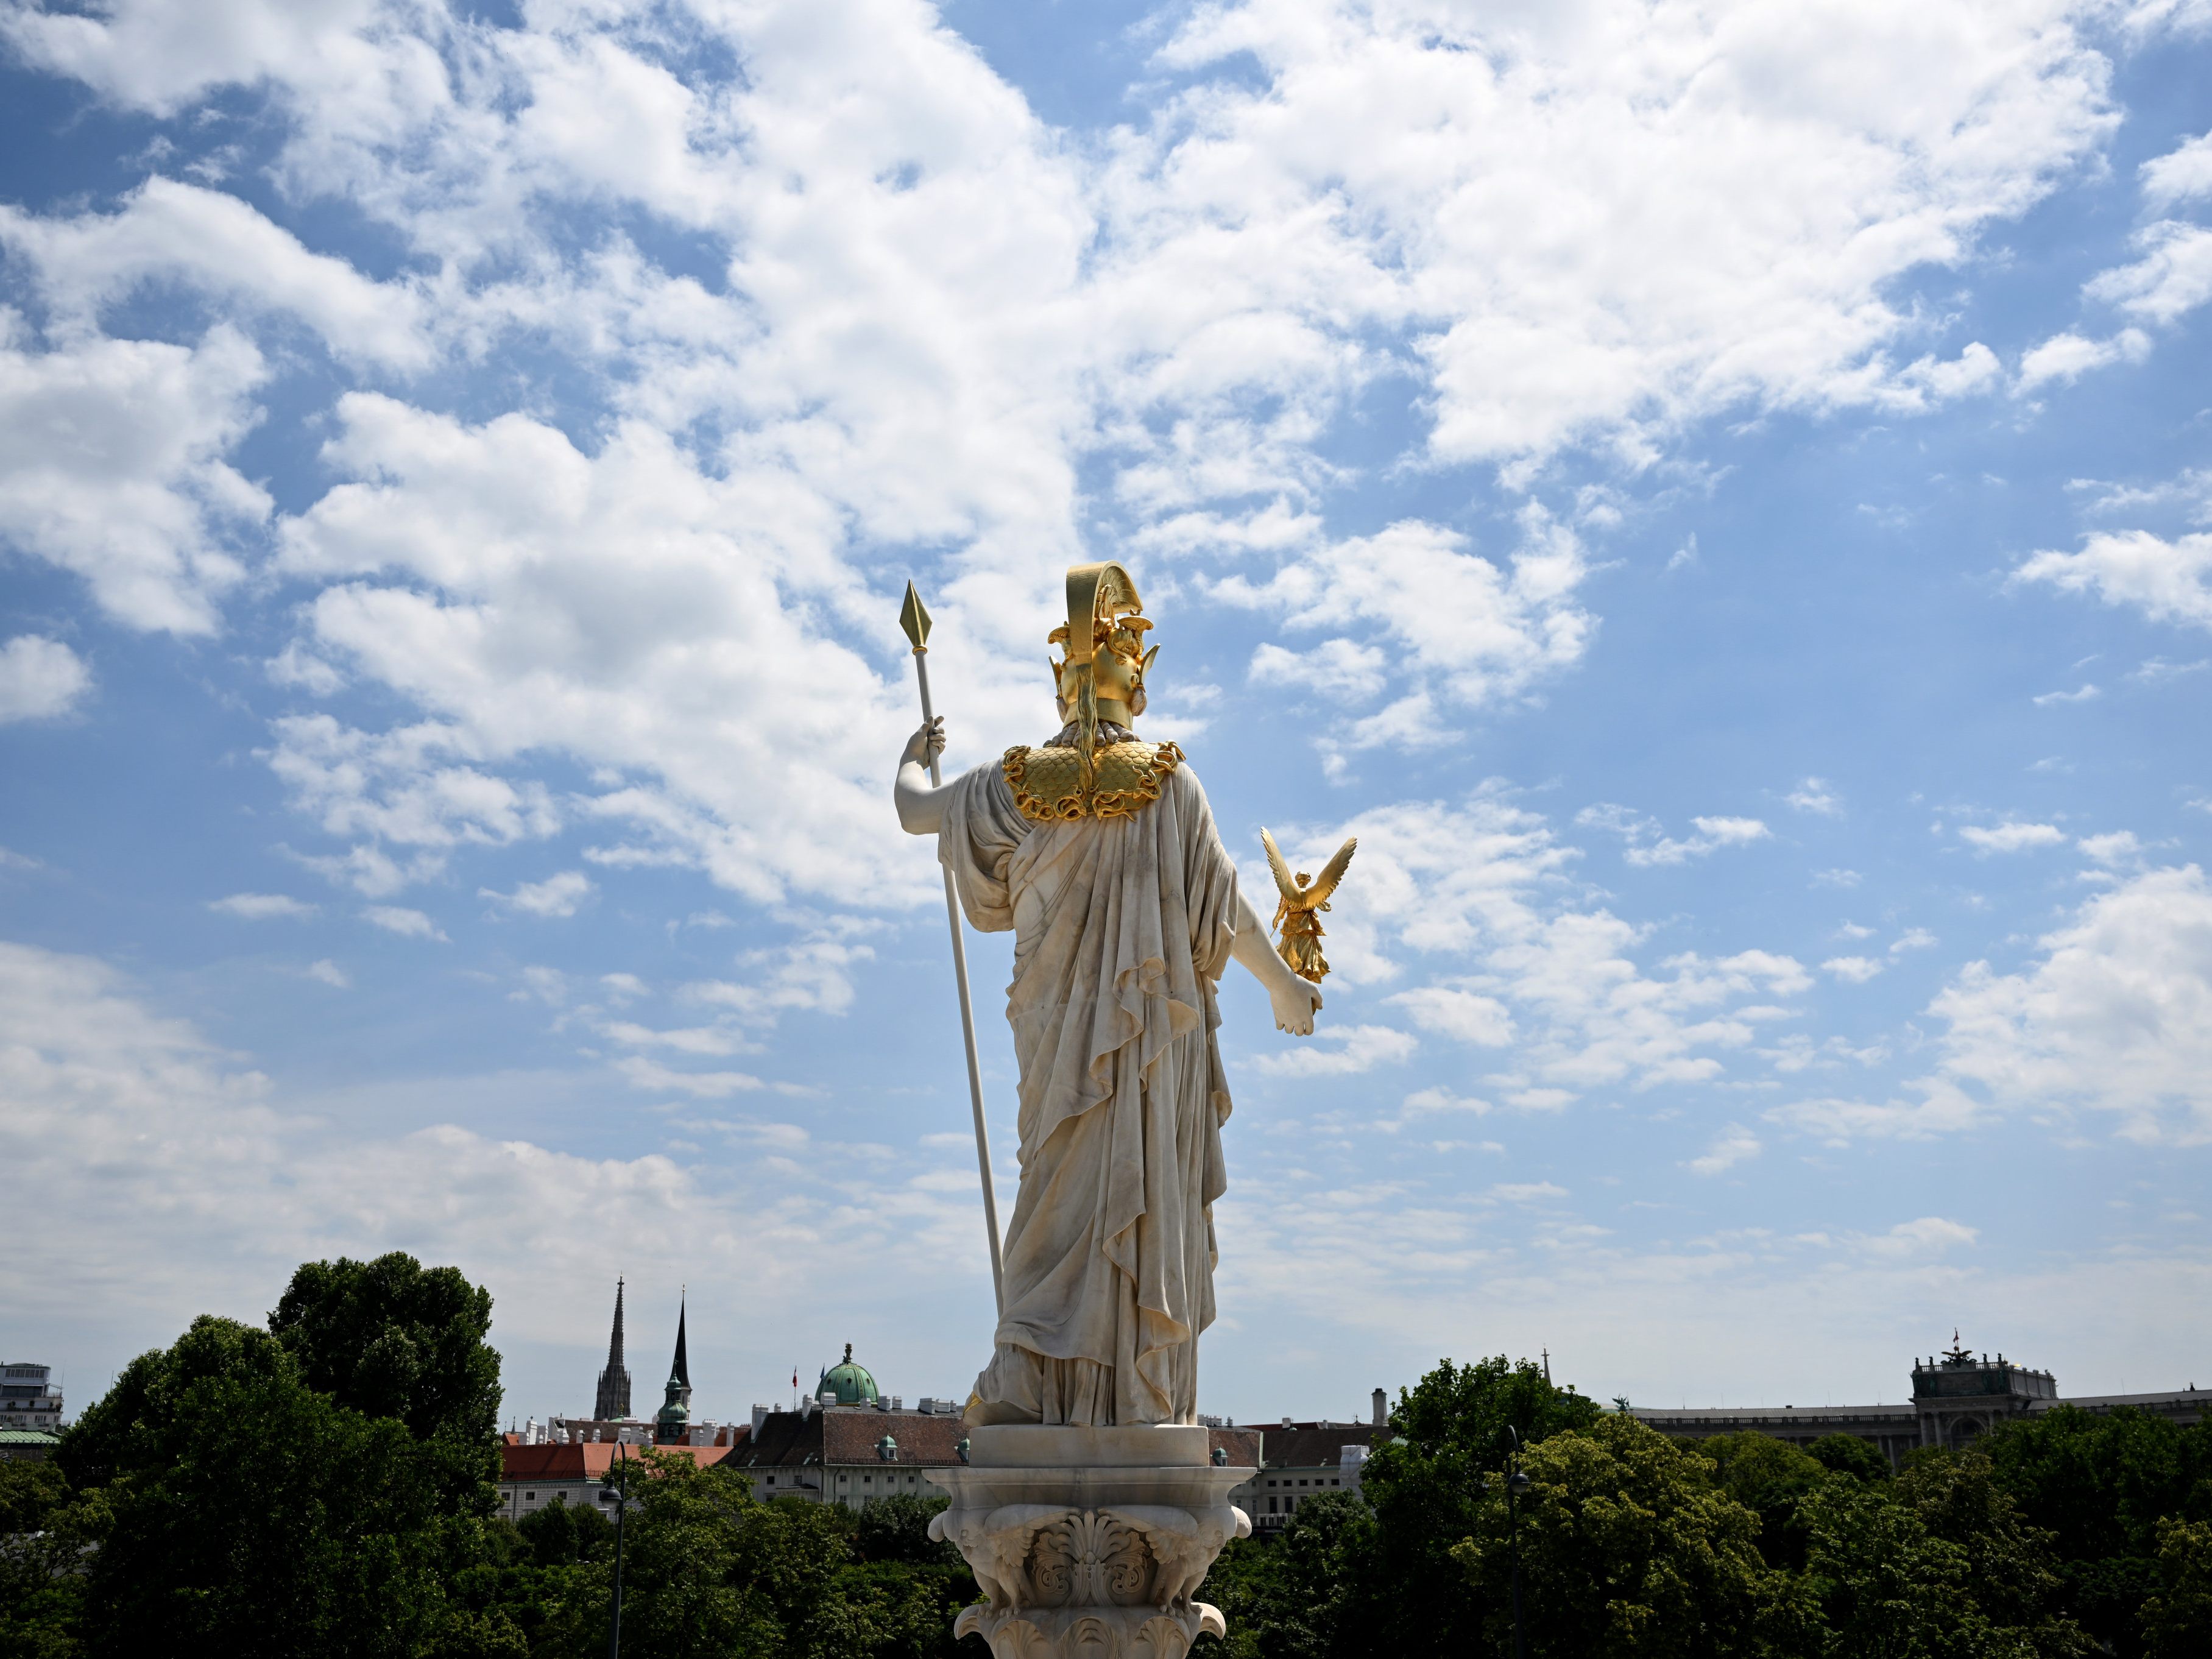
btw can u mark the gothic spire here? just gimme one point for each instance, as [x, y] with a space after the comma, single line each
[613, 1401]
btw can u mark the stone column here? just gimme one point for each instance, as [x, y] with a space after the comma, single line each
[1089, 1543]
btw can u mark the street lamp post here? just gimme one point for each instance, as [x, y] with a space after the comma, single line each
[620, 1488]
[1516, 1482]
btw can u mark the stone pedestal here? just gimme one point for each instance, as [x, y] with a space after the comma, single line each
[1089, 1543]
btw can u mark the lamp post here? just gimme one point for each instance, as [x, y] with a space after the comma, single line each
[618, 1482]
[1516, 1482]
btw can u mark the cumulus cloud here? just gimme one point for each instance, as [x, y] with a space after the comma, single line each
[2167, 580]
[1856, 970]
[328, 973]
[398, 919]
[1816, 795]
[556, 895]
[1343, 1051]
[1476, 898]
[1465, 631]
[111, 466]
[2114, 1016]
[1647, 843]
[2065, 358]
[1733, 1145]
[2173, 278]
[2011, 836]
[2182, 174]
[262, 907]
[39, 679]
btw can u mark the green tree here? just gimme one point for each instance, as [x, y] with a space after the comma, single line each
[1406, 1594]
[1846, 1454]
[393, 1339]
[2178, 1620]
[248, 1514]
[2100, 1484]
[45, 1542]
[1942, 1564]
[1628, 1546]
[1285, 1597]
[1768, 1477]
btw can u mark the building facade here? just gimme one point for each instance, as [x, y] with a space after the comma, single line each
[1957, 1398]
[1294, 1462]
[29, 1399]
[533, 1478]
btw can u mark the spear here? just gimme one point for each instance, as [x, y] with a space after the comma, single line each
[916, 621]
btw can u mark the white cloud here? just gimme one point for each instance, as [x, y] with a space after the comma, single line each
[2172, 278]
[261, 907]
[397, 918]
[2182, 174]
[110, 466]
[1913, 938]
[2011, 836]
[39, 679]
[1845, 878]
[2167, 580]
[172, 232]
[2115, 1017]
[2080, 694]
[2067, 357]
[556, 895]
[328, 973]
[1647, 843]
[1816, 795]
[2118, 847]
[1605, 221]
[1732, 1147]
[1526, 1191]
[1455, 1013]
[1475, 897]
[1929, 1236]
[1462, 631]
[1343, 1051]
[1857, 971]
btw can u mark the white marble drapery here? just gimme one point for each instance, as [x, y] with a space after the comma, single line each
[1122, 929]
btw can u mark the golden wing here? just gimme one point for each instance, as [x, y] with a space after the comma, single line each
[1292, 896]
[1333, 872]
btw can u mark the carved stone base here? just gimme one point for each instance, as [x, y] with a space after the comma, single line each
[1090, 1633]
[1089, 1543]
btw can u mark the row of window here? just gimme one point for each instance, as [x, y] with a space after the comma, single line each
[1317, 1481]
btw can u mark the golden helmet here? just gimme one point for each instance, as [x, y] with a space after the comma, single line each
[1104, 681]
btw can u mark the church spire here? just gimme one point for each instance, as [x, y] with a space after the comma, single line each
[613, 1401]
[681, 1370]
[671, 1426]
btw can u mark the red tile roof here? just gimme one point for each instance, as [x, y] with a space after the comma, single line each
[588, 1461]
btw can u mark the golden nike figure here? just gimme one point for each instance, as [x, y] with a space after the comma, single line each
[1296, 915]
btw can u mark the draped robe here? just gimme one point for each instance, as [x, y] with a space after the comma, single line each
[1121, 928]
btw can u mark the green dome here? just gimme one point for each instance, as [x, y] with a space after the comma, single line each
[854, 1386]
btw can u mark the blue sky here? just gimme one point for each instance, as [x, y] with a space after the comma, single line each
[1719, 500]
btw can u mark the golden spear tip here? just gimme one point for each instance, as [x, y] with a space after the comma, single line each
[913, 617]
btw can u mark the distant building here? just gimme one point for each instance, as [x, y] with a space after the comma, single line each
[533, 1478]
[1298, 1461]
[1956, 1399]
[28, 1445]
[28, 1400]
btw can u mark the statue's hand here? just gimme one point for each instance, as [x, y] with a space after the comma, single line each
[1297, 1001]
[927, 744]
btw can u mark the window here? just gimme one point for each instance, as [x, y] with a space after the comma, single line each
[1272, 1502]
[1336, 1483]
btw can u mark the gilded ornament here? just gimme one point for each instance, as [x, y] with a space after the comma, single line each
[1298, 921]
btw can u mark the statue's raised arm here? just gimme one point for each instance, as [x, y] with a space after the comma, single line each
[1097, 850]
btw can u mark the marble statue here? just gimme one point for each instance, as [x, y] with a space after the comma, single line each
[1098, 851]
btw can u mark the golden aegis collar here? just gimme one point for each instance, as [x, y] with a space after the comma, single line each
[1049, 785]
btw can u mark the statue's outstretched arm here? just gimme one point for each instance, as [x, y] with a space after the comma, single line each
[1295, 1001]
[920, 803]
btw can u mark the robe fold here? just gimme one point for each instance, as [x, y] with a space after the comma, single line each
[1122, 929]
